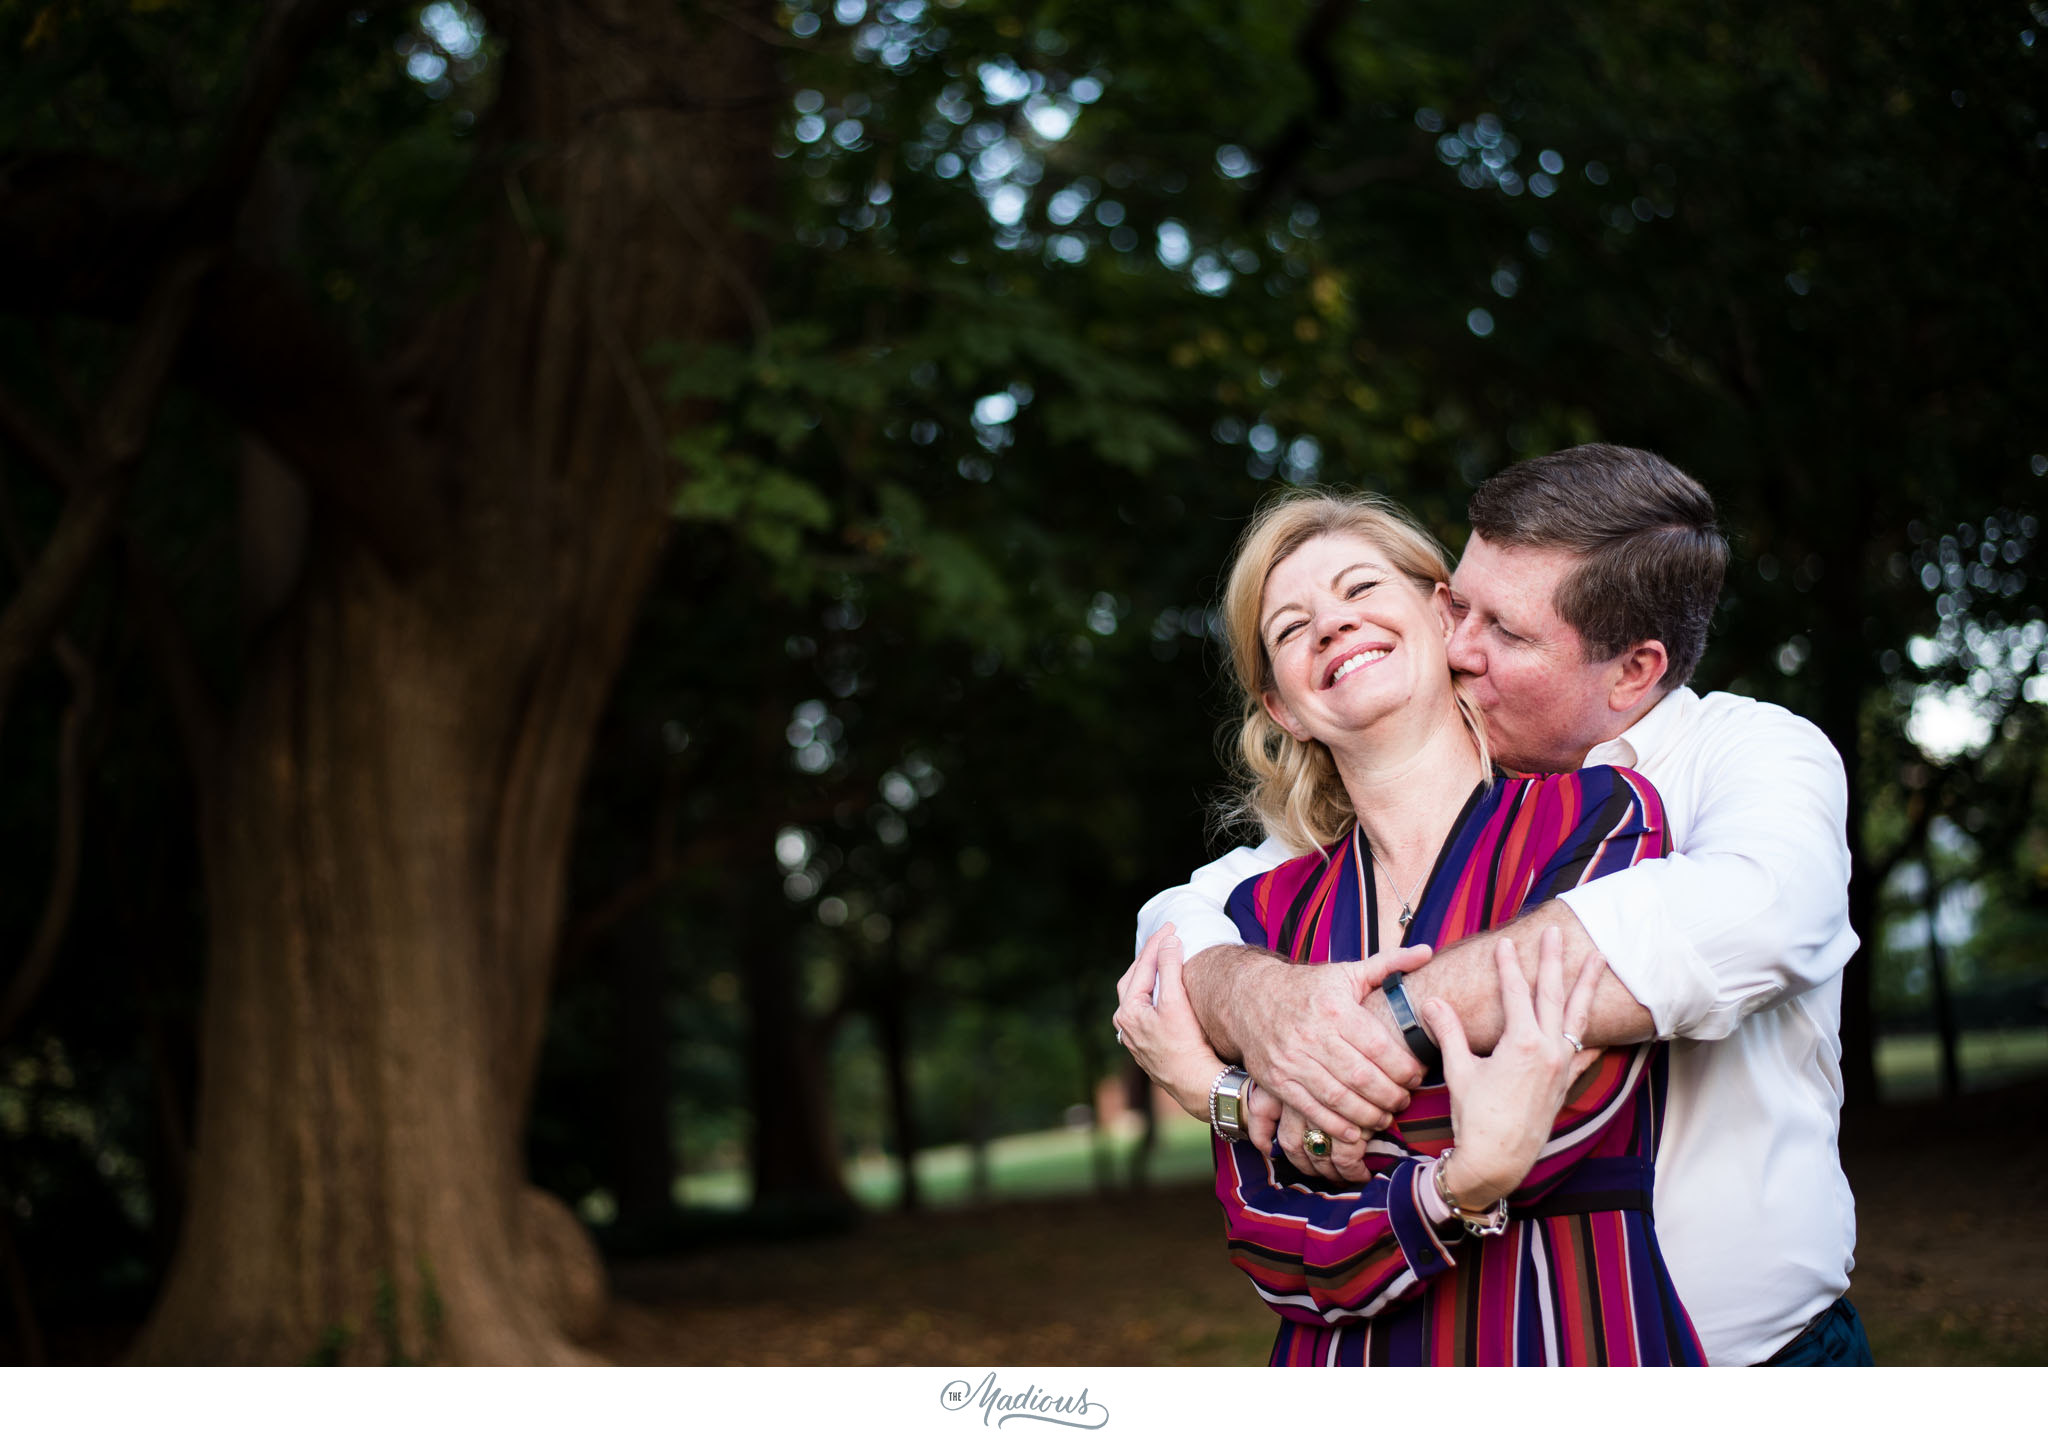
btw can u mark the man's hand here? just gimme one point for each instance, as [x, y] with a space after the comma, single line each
[1300, 1031]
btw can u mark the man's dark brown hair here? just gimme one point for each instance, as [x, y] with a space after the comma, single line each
[1651, 558]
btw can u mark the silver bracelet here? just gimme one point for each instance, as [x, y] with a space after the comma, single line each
[1485, 1222]
[1227, 1095]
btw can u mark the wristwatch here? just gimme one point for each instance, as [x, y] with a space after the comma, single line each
[1226, 1104]
[1419, 1043]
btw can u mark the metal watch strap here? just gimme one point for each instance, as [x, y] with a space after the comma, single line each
[1419, 1043]
[1226, 1104]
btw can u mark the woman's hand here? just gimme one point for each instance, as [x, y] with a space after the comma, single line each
[1503, 1105]
[1165, 1038]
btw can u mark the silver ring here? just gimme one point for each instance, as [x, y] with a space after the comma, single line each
[1577, 1048]
[1120, 1037]
[1316, 1144]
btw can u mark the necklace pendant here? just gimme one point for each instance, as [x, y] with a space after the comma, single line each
[1404, 917]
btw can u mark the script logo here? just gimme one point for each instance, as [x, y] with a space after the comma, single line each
[1033, 1404]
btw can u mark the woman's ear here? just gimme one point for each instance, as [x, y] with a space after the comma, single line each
[1440, 598]
[1277, 709]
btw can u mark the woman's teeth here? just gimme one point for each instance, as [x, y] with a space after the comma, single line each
[1351, 664]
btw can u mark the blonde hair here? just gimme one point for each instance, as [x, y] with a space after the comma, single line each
[1288, 787]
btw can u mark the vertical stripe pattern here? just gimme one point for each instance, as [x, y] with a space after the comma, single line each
[1356, 1272]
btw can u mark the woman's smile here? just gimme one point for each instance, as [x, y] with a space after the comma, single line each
[1356, 659]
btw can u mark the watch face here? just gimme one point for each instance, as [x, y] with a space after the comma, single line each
[1226, 1109]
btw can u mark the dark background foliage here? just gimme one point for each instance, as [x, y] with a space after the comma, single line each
[926, 698]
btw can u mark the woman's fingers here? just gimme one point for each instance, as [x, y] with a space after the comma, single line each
[1145, 969]
[1514, 986]
[1550, 981]
[1171, 991]
[1449, 1032]
[1578, 1006]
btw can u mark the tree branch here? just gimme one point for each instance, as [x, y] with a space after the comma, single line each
[1284, 154]
[34, 970]
[288, 35]
[170, 652]
[97, 487]
[84, 235]
[41, 446]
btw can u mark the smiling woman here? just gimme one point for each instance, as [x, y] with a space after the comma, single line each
[1505, 1213]
[1364, 567]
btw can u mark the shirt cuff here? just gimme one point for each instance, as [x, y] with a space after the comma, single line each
[1648, 952]
[1414, 1224]
[1198, 923]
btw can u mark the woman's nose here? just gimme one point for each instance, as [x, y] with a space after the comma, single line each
[1334, 620]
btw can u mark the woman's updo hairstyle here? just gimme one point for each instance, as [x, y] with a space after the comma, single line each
[1290, 788]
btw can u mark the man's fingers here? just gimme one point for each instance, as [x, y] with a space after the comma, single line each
[1371, 974]
[1293, 1139]
[1349, 1162]
[1261, 1116]
[1317, 1114]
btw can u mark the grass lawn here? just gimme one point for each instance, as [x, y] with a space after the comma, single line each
[1050, 1162]
[1034, 1165]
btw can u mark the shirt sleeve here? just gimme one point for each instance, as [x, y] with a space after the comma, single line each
[1754, 907]
[1325, 1253]
[1197, 908]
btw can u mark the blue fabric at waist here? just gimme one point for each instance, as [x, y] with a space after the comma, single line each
[1594, 1185]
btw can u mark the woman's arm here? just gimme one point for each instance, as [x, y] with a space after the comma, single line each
[1320, 1253]
[1163, 1034]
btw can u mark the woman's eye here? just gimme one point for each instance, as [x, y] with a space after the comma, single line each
[1286, 632]
[1360, 590]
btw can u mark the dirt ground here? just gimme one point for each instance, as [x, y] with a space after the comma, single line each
[1952, 1268]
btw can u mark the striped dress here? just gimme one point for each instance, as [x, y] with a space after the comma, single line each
[1358, 1275]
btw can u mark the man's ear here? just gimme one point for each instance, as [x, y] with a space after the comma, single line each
[1637, 672]
[1277, 709]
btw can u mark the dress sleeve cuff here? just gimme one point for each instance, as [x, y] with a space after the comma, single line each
[1414, 1223]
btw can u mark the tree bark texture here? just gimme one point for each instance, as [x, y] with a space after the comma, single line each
[385, 826]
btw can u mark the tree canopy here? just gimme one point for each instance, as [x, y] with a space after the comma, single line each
[684, 537]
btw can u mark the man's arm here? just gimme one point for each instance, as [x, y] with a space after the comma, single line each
[1299, 1031]
[1464, 976]
[1196, 908]
[1752, 909]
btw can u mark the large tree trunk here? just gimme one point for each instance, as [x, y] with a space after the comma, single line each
[385, 830]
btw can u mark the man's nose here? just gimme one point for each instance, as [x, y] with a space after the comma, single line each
[1464, 651]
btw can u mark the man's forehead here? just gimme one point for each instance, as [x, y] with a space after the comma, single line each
[1511, 576]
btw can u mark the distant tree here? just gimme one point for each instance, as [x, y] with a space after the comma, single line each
[449, 517]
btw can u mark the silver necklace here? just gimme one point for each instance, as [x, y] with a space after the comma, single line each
[1408, 903]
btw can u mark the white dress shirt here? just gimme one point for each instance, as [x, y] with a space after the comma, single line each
[1735, 945]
